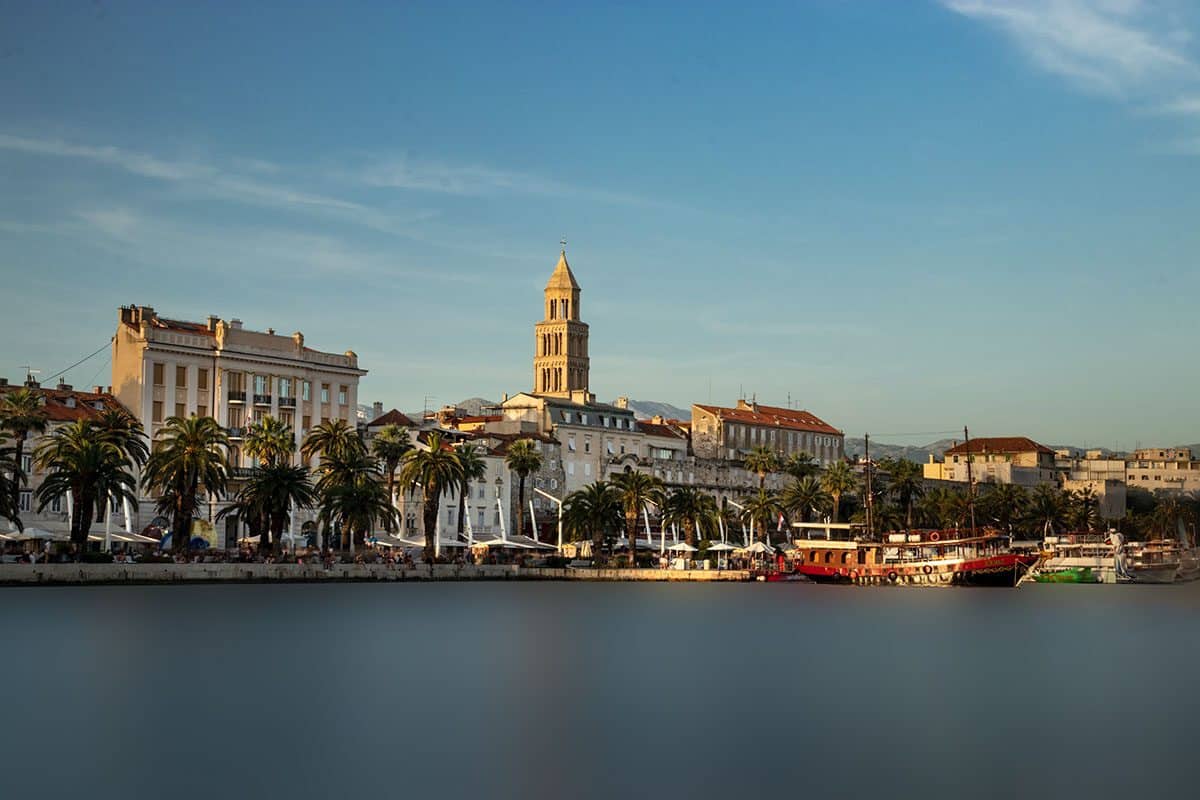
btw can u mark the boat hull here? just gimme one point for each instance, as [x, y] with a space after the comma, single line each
[999, 571]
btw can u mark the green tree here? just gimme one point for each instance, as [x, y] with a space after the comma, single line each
[348, 472]
[906, 483]
[762, 509]
[271, 441]
[87, 468]
[268, 497]
[1004, 504]
[120, 428]
[944, 507]
[690, 509]
[804, 497]
[1047, 508]
[21, 414]
[390, 446]
[762, 460]
[593, 512]
[1083, 509]
[636, 492]
[10, 477]
[838, 480]
[524, 457]
[435, 472]
[355, 503]
[801, 466]
[331, 437]
[189, 455]
[474, 468]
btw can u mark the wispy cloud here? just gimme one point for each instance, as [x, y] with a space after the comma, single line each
[206, 177]
[1118, 47]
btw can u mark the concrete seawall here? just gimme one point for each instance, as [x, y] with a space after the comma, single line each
[76, 574]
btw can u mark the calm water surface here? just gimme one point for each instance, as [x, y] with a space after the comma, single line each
[577, 690]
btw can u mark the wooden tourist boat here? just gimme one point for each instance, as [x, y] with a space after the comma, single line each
[926, 558]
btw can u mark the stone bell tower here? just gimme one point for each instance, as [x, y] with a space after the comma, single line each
[560, 362]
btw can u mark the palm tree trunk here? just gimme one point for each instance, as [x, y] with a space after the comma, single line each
[689, 532]
[429, 517]
[264, 534]
[837, 506]
[78, 499]
[462, 508]
[19, 451]
[631, 535]
[392, 523]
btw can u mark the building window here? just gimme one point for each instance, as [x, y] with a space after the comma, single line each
[180, 377]
[324, 392]
[587, 469]
[157, 412]
[202, 411]
[285, 387]
[180, 410]
[342, 392]
[571, 444]
[159, 380]
[261, 384]
[24, 499]
[570, 467]
[587, 444]
[26, 463]
[56, 505]
[306, 391]
[202, 379]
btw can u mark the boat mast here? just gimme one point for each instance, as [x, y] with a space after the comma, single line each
[970, 481]
[870, 496]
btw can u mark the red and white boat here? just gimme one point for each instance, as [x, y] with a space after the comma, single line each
[924, 558]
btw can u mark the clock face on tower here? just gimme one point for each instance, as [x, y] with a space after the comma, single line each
[560, 361]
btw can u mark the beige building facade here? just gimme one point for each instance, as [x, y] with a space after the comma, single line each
[166, 367]
[730, 433]
[1004, 459]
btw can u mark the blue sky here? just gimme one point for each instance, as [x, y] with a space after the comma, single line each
[906, 215]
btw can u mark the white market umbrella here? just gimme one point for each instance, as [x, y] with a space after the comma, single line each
[720, 547]
[683, 547]
[44, 535]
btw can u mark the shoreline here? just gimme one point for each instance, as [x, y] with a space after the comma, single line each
[167, 574]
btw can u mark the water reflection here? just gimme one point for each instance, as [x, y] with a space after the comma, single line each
[551, 690]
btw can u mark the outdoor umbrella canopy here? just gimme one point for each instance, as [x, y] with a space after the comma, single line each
[39, 533]
[683, 547]
[759, 548]
[721, 547]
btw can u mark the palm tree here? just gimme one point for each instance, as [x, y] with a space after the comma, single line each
[343, 467]
[87, 468]
[390, 446]
[1083, 509]
[268, 497]
[837, 480]
[435, 472]
[691, 509]
[907, 485]
[523, 457]
[801, 466]
[354, 506]
[943, 507]
[762, 508]
[334, 436]
[593, 512]
[762, 460]
[804, 497]
[9, 477]
[891, 517]
[21, 414]
[271, 441]
[1047, 509]
[122, 429]
[1004, 504]
[189, 455]
[636, 491]
[474, 468]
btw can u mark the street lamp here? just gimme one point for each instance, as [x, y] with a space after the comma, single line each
[558, 503]
[500, 508]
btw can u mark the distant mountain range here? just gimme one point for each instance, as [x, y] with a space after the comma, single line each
[645, 409]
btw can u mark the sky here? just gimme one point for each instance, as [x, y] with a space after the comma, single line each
[904, 216]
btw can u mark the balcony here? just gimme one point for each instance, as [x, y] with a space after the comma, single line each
[262, 399]
[287, 402]
[235, 433]
[240, 472]
[236, 397]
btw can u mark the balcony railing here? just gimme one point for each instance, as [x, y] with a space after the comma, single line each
[241, 472]
[287, 402]
[235, 433]
[237, 397]
[262, 399]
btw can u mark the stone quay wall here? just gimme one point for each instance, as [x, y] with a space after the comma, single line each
[77, 574]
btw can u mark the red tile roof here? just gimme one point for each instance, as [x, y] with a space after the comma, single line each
[999, 444]
[392, 417]
[668, 431]
[198, 328]
[774, 417]
[55, 403]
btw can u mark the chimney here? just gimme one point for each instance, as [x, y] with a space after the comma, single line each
[377, 409]
[3, 381]
[298, 338]
[63, 386]
[505, 398]
[235, 323]
[270, 331]
[97, 390]
[212, 324]
[622, 402]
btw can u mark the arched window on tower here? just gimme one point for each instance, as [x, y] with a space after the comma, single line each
[552, 310]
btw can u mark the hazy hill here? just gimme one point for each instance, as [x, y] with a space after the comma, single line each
[645, 409]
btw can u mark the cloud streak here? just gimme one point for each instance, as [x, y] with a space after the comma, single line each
[1117, 47]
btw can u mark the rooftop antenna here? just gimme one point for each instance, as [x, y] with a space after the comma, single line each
[30, 372]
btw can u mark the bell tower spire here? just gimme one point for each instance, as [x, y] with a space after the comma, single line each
[560, 362]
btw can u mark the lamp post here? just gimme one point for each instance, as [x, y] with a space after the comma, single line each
[500, 508]
[558, 503]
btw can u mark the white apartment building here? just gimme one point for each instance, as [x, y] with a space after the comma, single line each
[165, 367]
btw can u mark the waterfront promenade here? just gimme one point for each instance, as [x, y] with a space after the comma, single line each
[99, 574]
